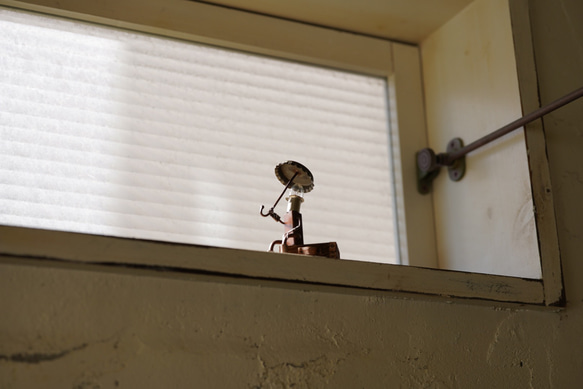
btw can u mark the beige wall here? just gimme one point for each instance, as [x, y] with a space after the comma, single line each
[88, 327]
[471, 89]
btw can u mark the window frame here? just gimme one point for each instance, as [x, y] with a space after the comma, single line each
[399, 63]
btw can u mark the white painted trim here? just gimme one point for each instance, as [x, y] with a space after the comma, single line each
[540, 178]
[408, 135]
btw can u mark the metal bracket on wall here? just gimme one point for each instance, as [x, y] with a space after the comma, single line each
[429, 164]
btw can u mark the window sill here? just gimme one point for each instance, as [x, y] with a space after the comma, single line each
[18, 243]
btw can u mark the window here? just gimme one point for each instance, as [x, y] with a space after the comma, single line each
[119, 133]
[397, 63]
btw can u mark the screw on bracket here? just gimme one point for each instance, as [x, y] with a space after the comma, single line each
[457, 169]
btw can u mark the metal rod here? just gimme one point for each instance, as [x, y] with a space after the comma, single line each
[284, 189]
[451, 157]
[271, 211]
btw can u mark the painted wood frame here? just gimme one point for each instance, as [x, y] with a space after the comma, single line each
[296, 41]
[540, 178]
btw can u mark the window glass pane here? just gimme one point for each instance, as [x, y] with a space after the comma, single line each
[118, 133]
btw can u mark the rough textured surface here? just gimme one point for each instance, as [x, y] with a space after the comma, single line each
[86, 328]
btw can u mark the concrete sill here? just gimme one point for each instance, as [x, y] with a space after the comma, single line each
[22, 244]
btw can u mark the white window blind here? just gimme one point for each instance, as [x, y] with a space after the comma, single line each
[119, 133]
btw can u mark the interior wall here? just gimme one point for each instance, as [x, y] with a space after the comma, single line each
[77, 328]
[87, 327]
[484, 222]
